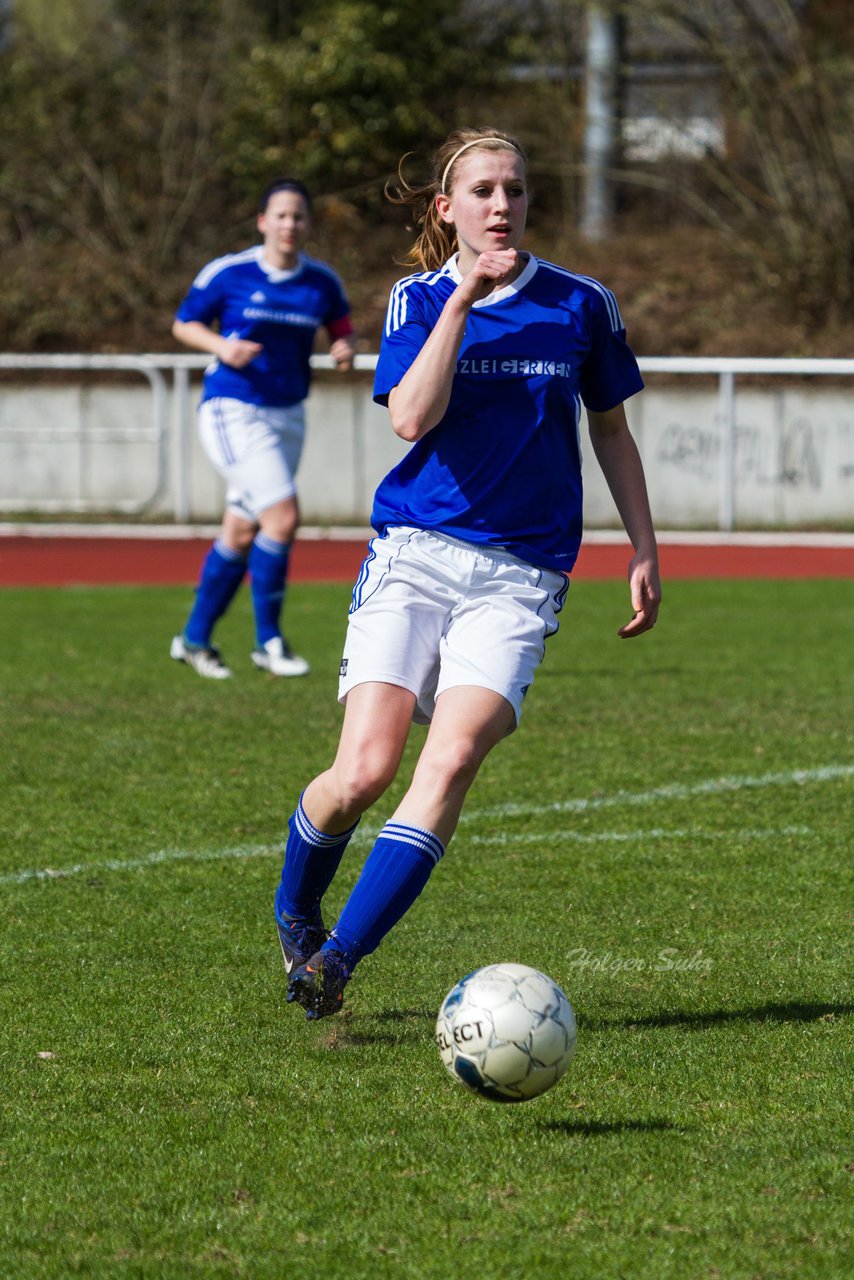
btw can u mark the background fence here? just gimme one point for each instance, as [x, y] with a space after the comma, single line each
[726, 442]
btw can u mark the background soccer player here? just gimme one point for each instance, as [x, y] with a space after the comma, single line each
[486, 358]
[257, 312]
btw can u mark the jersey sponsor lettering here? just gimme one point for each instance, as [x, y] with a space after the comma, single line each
[282, 317]
[516, 367]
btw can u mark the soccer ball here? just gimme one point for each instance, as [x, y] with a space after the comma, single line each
[506, 1032]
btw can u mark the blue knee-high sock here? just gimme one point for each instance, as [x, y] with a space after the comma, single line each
[397, 869]
[311, 860]
[222, 574]
[268, 571]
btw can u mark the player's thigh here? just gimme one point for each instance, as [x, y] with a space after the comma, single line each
[467, 723]
[376, 724]
[469, 720]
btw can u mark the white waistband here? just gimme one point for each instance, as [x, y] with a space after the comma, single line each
[487, 549]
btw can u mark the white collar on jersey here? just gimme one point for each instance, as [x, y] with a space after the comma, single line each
[497, 295]
[276, 274]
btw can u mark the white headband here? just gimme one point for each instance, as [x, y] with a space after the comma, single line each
[475, 142]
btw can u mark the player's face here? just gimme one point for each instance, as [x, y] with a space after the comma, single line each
[285, 225]
[488, 203]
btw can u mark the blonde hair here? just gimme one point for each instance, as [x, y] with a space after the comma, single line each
[436, 240]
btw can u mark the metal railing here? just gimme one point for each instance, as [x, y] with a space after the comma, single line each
[152, 369]
[172, 415]
[726, 369]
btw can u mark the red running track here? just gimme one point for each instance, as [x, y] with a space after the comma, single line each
[85, 561]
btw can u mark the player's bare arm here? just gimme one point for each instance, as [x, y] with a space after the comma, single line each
[618, 456]
[421, 398]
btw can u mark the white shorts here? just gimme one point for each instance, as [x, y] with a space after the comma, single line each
[255, 448]
[431, 612]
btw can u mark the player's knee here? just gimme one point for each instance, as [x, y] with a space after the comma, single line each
[241, 541]
[360, 785]
[280, 522]
[454, 766]
[238, 534]
[287, 529]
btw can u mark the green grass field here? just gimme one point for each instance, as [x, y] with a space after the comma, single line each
[668, 836]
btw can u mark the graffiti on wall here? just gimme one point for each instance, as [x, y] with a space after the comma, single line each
[797, 457]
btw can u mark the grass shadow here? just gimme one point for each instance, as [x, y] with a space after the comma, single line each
[404, 1015]
[606, 1128]
[394, 1026]
[793, 1011]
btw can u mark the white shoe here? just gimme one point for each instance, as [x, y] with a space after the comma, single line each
[205, 662]
[277, 658]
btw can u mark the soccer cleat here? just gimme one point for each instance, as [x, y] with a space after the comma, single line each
[299, 939]
[205, 661]
[277, 657]
[318, 985]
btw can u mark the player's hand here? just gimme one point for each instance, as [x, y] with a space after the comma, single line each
[237, 353]
[342, 352]
[490, 271]
[645, 587]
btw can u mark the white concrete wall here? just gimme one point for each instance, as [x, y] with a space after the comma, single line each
[794, 456]
[96, 447]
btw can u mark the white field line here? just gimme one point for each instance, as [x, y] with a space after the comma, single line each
[675, 791]
[156, 859]
[637, 837]
[672, 791]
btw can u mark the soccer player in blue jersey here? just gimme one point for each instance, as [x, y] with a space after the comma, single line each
[257, 313]
[488, 354]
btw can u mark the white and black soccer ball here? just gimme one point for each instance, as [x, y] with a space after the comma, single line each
[506, 1032]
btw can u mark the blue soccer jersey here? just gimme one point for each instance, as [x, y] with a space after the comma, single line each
[281, 310]
[503, 467]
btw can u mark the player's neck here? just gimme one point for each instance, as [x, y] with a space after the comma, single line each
[279, 260]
